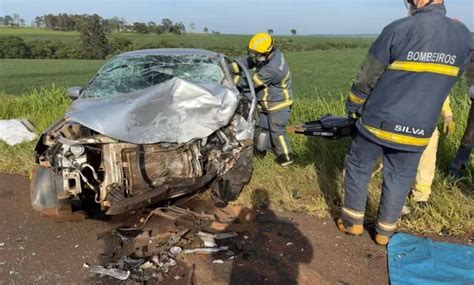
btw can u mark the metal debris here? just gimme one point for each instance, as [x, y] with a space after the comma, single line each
[217, 236]
[112, 272]
[208, 242]
[175, 250]
[185, 217]
[209, 239]
[206, 249]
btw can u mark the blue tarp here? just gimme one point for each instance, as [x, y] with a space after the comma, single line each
[413, 260]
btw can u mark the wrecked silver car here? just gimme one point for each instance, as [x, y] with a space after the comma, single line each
[151, 126]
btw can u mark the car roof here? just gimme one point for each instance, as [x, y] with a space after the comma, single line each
[170, 51]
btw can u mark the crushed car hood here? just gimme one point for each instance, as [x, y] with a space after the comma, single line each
[175, 111]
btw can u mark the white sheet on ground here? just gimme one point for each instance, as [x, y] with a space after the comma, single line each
[15, 132]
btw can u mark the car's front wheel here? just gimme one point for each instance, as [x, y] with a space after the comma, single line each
[228, 187]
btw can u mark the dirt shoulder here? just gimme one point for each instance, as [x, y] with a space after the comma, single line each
[274, 248]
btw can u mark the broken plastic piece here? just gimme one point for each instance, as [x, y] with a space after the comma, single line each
[112, 272]
[217, 236]
[208, 241]
[218, 261]
[206, 250]
[147, 265]
[175, 250]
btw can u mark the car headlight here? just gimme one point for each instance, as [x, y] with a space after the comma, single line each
[77, 149]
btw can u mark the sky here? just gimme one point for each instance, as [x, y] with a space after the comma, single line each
[244, 16]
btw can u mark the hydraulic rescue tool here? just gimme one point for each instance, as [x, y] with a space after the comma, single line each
[328, 126]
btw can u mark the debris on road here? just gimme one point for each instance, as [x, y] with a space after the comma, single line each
[112, 272]
[217, 236]
[206, 250]
[175, 250]
[158, 250]
[209, 239]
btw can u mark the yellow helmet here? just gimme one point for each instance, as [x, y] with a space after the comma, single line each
[261, 43]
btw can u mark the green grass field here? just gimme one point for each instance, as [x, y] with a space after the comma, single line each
[18, 76]
[313, 185]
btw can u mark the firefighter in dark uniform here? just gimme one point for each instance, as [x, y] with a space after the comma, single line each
[461, 161]
[272, 82]
[396, 99]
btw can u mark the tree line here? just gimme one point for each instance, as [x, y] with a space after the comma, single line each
[73, 22]
[12, 21]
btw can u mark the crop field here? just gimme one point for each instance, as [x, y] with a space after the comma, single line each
[313, 185]
[190, 40]
[18, 76]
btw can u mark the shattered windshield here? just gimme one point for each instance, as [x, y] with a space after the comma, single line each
[126, 74]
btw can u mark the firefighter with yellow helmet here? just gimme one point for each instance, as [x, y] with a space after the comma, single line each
[272, 82]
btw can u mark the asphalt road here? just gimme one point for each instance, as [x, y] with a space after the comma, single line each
[34, 250]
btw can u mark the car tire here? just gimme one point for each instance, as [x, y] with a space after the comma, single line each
[223, 192]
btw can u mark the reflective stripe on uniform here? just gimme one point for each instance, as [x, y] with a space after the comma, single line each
[356, 99]
[284, 85]
[265, 98]
[286, 94]
[425, 67]
[256, 79]
[235, 67]
[237, 79]
[279, 106]
[397, 138]
[283, 144]
[352, 213]
[387, 226]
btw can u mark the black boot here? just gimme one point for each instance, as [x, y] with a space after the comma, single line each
[285, 160]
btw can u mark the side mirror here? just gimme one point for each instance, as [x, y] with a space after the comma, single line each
[74, 92]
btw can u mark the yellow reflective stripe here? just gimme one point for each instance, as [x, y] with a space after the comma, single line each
[397, 138]
[265, 97]
[278, 106]
[237, 79]
[256, 79]
[235, 67]
[387, 226]
[284, 85]
[352, 213]
[283, 144]
[356, 99]
[425, 67]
